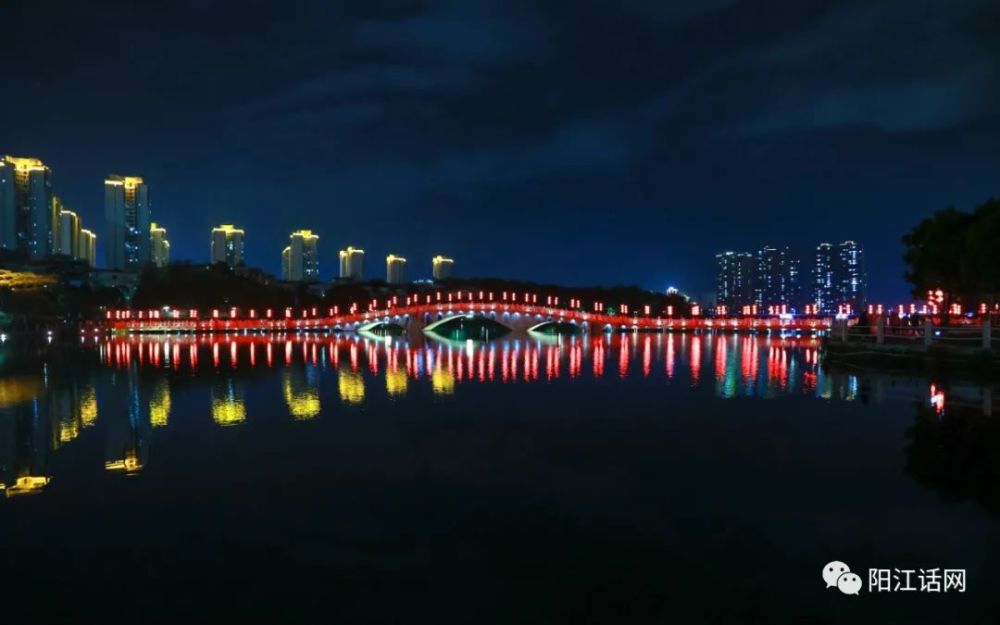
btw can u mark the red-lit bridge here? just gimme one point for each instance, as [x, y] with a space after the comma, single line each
[516, 316]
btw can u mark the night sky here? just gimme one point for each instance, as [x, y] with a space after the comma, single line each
[575, 142]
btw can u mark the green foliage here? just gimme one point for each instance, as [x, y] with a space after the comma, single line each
[957, 252]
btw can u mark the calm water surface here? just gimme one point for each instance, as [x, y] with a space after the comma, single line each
[604, 479]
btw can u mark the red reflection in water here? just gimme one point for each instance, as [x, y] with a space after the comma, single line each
[599, 358]
[695, 358]
[720, 358]
[519, 360]
[937, 399]
[670, 356]
[624, 348]
[809, 381]
[575, 358]
[777, 367]
[647, 355]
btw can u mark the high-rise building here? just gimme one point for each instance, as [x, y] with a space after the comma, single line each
[839, 277]
[227, 245]
[352, 263]
[128, 217]
[851, 276]
[826, 291]
[300, 259]
[442, 267]
[8, 205]
[159, 246]
[88, 246]
[26, 211]
[735, 282]
[395, 269]
[67, 233]
[778, 280]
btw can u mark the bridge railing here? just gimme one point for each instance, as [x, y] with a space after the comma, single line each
[981, 334]
[232, 320]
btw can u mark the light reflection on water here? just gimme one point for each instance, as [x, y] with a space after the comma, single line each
[742, 366]
[667, 453]
[39, 415]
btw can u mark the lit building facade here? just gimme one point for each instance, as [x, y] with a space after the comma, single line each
[826, 291]
[352, 263]
[227, 245]
[778, 279]
[159, 245]
[67, 233]
[395, 269]
[734, 287]
[88, 247]
[851, 275]
[27, 220]
[128, 218]
[839, 277]
[441, 267]
[300, 259]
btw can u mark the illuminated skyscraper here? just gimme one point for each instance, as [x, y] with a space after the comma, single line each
[159, 246]
[67, 240]
[26, 211]
[839, 276]
[88, 246]
[442, 267]
[850, 275]
[127, 215]
[778, 280]
[735, 282]
[352, 263]
[395, 269]
[300, 260]
[227, 245]
[825, 288]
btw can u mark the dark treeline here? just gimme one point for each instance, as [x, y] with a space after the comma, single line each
[956, 252]
[218, 286]
[184, 286]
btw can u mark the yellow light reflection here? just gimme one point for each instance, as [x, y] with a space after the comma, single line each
[159, 406]
[26, 485]
[352, 387]
[442, 382]
[88, 407]
[129, 464]
[19, 389]
[228, 411]
[396, 382]
[227, 406]
[68, 430]
[303, 404]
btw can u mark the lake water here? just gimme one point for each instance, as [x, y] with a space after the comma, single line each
[595, 479]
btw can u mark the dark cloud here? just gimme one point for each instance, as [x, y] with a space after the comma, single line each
[664, 129]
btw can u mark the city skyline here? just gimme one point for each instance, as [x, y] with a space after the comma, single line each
[707, 125]
[136, 240]
[774, 281]
[782, 279]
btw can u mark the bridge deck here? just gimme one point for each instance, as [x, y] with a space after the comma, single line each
[177, 321]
